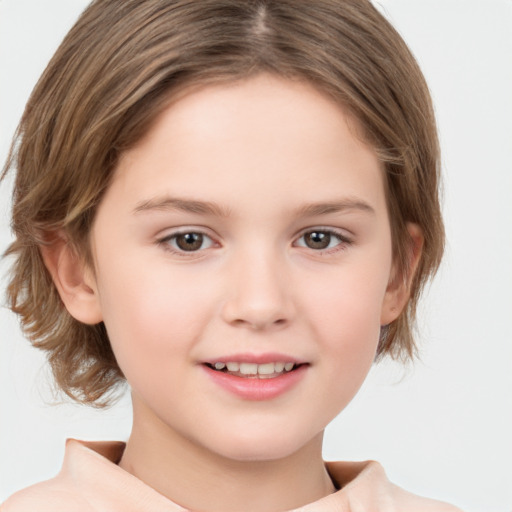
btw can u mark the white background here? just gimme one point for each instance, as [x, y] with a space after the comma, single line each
[442, 428]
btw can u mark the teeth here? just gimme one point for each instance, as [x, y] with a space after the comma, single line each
[248, 368]
[266, 369]
[255, 369]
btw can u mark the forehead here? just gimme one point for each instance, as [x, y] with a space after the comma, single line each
[286, 134]
[260, 104]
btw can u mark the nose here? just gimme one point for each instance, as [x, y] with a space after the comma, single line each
[258, 297]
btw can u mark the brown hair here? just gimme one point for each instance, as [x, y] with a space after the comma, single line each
[118, 68]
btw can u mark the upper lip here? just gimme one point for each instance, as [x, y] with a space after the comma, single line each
[255, 358]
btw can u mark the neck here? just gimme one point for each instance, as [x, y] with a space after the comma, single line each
[200, 480]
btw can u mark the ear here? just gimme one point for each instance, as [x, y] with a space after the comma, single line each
[73, 279]
[399, 286]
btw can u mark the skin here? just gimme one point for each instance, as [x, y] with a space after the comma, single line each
[261, 151]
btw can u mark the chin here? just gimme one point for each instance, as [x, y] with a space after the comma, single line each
[264, 446]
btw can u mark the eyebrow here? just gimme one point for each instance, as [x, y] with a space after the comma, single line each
[347, 204]
[208, 208]
[185, 205]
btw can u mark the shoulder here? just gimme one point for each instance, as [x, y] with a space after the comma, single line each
[49, 496]
[365, 485]
[78, 486]
[408, 501]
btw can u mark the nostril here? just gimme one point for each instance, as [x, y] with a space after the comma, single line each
[261, 325]
[245, 311]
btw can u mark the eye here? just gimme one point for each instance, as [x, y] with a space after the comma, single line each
[190, 241]
[321, 239]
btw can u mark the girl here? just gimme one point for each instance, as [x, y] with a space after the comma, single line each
[232, 206]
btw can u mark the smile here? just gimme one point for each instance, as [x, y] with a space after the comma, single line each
[253, 370]
[256, 377]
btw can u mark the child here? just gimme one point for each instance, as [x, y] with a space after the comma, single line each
[233, 206]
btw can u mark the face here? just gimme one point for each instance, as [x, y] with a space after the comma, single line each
[242, 266]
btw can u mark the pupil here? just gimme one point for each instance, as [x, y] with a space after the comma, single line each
[189, 241]
[318, 240]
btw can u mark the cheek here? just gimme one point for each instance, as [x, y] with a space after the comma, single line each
[345, 319]
[150, 318]
[348, 305]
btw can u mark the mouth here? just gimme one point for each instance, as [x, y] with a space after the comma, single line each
[256, 377]
[269, 370]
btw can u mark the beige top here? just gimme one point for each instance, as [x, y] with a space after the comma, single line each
[91, 481]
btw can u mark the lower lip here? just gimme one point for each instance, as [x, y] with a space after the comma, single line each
[255, 388]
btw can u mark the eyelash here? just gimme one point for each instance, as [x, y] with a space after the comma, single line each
[169, 241]
[343, 240]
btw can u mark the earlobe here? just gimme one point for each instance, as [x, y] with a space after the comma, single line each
[399, 287]
[73, 279]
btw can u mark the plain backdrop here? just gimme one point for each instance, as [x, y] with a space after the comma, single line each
[441, 428]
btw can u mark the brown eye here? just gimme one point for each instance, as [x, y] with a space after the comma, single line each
[317, 239]
[186, 242]
[321, 239]
[189, 241]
